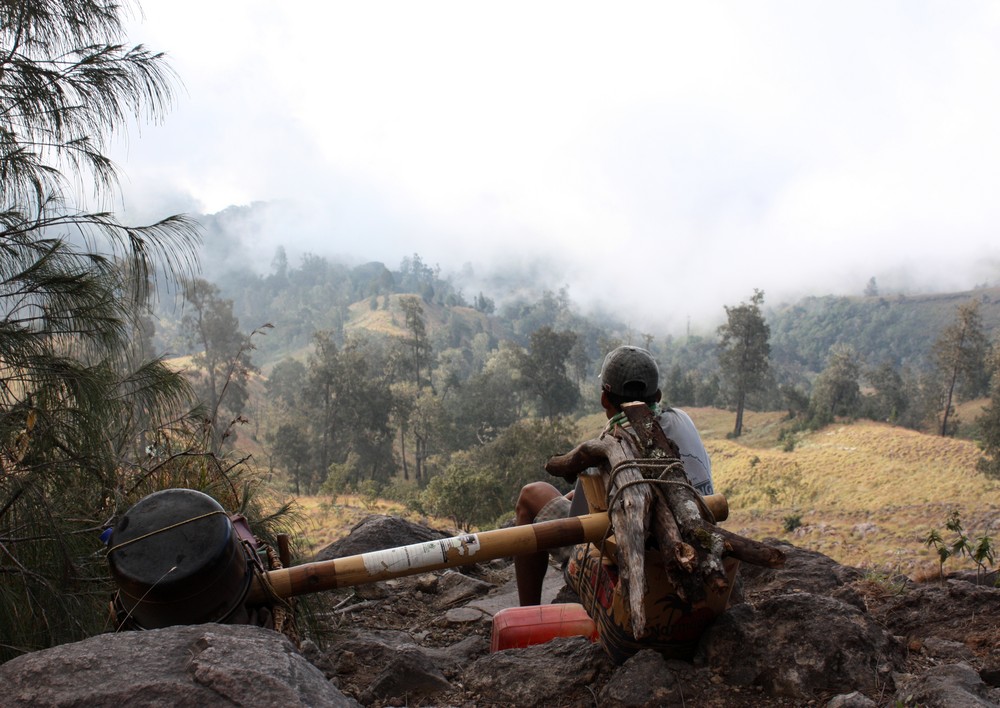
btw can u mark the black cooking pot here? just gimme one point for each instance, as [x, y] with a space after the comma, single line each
[177, 560]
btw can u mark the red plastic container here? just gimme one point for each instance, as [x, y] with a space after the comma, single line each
[519, 627]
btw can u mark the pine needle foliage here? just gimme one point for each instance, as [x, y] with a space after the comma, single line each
[90, 421]
[989, 424]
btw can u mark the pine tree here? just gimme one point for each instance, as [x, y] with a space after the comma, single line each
[989, 425]
[836, 391]
[77, 401]
[416, 342]
[960, 357]
[744, 351]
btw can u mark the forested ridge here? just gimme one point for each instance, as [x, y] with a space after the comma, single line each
[328, 293]
[893, 328]
[391, 380]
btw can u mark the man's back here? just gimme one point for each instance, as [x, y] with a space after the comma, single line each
[679, 427]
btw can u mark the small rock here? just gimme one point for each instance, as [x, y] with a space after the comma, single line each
[372, 591]
[454, 588]
[947, 649]
[409, 675]
[346, 662]
[428, 583]
[463, 615]
[947, 685]
[851, 700]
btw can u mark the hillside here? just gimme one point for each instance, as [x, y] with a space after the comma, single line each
[389, 321]
[328, 294]
[866, 494]
[897, 328]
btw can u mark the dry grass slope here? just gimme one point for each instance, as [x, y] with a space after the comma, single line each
[866, 493]
[392, 322]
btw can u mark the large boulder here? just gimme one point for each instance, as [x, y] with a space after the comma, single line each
[378, 532]
[203, 665]
[555, 673]
[796, 644]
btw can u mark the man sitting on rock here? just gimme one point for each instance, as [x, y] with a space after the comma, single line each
[628, 374]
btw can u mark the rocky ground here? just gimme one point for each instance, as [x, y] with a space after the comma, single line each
[814, 633]
[811, 633]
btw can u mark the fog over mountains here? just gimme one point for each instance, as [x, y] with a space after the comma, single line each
[684, 153]
[653, 294]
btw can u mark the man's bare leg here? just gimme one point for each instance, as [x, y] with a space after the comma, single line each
[530, 569]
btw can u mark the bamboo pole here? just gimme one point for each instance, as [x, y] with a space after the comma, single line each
[459, 550]
[416, 558]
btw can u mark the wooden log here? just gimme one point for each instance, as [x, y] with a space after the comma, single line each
[629, 514]
[705, 572]
[675, 552]
[748, 550]
[629, 507]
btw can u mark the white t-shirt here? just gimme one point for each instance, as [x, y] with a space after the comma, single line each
[679, 427]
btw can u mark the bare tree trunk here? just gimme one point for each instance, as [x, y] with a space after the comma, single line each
[402, 451]
[740, 404]
[947, 404]
[418, 465]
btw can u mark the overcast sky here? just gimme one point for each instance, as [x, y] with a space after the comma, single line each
[675, 153]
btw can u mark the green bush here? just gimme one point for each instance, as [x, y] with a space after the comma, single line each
[982, 551]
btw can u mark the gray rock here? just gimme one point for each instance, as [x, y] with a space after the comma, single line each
[555, 673]
[458, 654]
[426, 582]
[932, 609]
[360, 646]
[783, 646]
[947, 649]
[410, 674]
[643, 680]
[453, 588]
[851, 700]
[952, 685]
[464, 615]
[204, 665]
[804, 571]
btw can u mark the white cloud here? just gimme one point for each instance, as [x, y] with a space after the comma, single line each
[712, 148]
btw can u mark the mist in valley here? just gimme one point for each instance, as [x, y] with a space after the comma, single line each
[660, 160]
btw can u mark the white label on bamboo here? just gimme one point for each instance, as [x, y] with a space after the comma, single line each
[419, 555]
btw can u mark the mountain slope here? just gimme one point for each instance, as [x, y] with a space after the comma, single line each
[865, 493]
